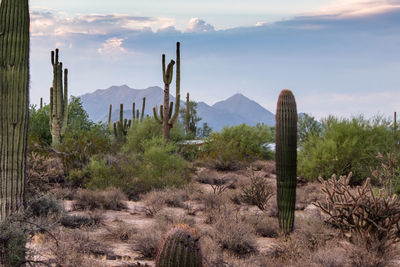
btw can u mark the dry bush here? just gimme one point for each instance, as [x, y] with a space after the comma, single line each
[268, 167]
[155, 201]
[121, 232]
[233, 233]
[258, 192]
[358, 212]
[166, 218]
[43, 206]
[264, 225]
[78, 221]
[306, 195]
[43, 170]
[110, 199]
[73, 248]
[146, 240]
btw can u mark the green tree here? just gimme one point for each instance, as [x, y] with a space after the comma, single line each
[306, 126]
[78, 118]
[204, 131]
[39, 128]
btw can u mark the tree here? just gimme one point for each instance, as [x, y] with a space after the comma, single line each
[204, 131]
[307, 125]
[190, 118]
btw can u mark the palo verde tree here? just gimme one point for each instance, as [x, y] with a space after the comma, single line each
[167, 117]
[14, 103]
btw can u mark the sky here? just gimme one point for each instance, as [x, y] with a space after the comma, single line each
[339, 57]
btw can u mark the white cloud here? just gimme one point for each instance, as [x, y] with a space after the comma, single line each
[112, 47]
[199, 25]
[45, 23]
[355, 8]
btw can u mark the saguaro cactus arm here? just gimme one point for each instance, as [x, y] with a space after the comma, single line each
[143, 108]
[286, 158]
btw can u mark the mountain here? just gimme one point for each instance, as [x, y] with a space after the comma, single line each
[232, 111]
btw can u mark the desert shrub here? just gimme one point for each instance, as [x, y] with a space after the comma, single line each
[238, 143]
[44, 206]
[12, 244]
[156, 200]
[39, 128]
[79, 145]
[139, 133]
[110, 199]
[121, 232]
[345, 145]
[41, 171]
[161, 167]
[358, 212]
[388, 173]
[258, 192]
[264, 225]
[233, 233]
[77, 221]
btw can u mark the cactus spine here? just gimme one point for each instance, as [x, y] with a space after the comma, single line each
[167, 117]
[58, 101]
[180, 248]
[286, 159]
[14, 102]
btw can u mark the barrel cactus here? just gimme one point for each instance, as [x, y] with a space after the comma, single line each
[14, 103]
[286, 159]
[180, 248]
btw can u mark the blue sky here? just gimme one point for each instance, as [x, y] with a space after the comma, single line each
[338, 57]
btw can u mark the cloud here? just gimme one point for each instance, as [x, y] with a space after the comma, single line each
[46, 23]
[112, 47]
[199, 25]
[357, 8]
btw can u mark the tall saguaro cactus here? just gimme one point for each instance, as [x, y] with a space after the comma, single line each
[14, 103]
[121, 127]
[167, 117]
[286, 158]
[58, 101]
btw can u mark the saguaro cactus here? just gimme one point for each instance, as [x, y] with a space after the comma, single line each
[167, 118]
[121, 127]
[14, 103]
[286, 158]
[58, 101]
[109, 124]
[180, 248]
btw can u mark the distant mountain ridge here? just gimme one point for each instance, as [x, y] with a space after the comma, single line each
[235, 110]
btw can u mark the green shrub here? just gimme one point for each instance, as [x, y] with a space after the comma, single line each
[345, 145]
[79, 145]
[39, 128]
[157, 167]
[44, 206]
[161, 166]
[12, 244]
[140, 133]
[239, 143]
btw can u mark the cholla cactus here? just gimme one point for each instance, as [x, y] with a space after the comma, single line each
[180, 248]
[167, 117]
[286, 158]
[58, 101]
[14, 101]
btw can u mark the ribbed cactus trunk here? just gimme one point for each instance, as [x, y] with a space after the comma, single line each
[168, 117]
[286, 159]
[14, 103]
[58, 101]
[180, 248]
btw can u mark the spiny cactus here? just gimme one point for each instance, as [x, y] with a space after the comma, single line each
[14, 101]
[286, 158]
[180, 248]
[167, 117]
[109, 124]
[121, 127]
[58, 101]
[190, 124]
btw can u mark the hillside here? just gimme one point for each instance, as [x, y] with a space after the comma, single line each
[232, 111]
